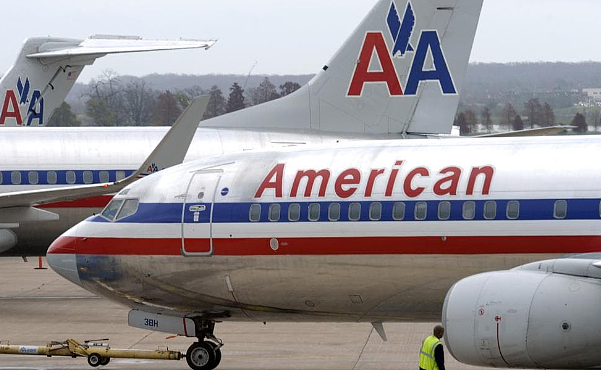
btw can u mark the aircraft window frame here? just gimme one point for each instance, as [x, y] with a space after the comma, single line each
[468, 211]
[1, 178]
[275, 212]
[33, 177]
[104, 176]
[294, 207]
[375, 211]
[447, 212]
[563, 202]
[512, 214]
[487, 207]
[88, 177]
[15, 177]
[254, 212]
[419, 206]
[398, 216]
[111, 216]
[314, 211]
[71, 177]
[51, 177]
[334, 212]
[351, 211]
[130, 211]
[119, 175]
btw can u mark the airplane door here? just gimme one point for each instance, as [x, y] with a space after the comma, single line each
[197, 213]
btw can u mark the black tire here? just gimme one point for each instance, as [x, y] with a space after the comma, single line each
[201, 356]
[105, 361]
[94, 360]
[217, 354]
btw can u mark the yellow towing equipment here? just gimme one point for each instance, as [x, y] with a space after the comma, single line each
[98, 353]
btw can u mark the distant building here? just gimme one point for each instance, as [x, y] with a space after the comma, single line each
[592, 97]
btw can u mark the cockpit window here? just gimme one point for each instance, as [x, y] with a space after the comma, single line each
[110, 211]
[129, 208]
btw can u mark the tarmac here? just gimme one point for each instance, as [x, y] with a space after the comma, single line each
[39, 306]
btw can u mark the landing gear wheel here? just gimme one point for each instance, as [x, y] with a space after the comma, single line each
[105, 361]
[201, 356]
[217, 354]
[94, 360]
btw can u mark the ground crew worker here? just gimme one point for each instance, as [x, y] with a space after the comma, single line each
[431, 356]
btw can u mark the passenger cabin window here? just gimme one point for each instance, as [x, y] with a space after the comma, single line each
[375, 211]
[421, 211]
[110, 211]
[88, 177]
[274, 212]
[444, 210]
[120, 175]
[560, 211]
[294, 212]
[490, 210]
[398, 211]
[15, 177]
[354, 211]
[51, 177]
[314, 211]
[33, 177]
[513, 209]
[129, 208]
[71, 177]
[103, 176]
[469, 210]
[254, 214]
[334, 212]
[1, 179]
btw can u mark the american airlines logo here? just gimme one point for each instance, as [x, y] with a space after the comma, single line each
[400, 32]
[15, 100]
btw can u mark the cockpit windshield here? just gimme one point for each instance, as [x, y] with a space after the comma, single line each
[119, 209]
[129, 208]
[110, 211]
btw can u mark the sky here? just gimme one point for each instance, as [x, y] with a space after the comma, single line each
[284, 36]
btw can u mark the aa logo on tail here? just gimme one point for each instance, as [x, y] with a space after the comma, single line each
[14, 100]
[400, 32]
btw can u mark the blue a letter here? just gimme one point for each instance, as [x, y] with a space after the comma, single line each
[31, 112]
[429, 41]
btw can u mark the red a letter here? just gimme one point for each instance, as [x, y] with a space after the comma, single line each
[349, 177]
[409, 191]
[10, 100]
[488, 172]
[270, 183]
[452, 179]
[375, 41]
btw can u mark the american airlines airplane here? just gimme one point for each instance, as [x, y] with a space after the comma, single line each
[365, 231]
[405, 59]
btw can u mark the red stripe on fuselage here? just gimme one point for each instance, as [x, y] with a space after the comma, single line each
[333, 246]
[94, 202]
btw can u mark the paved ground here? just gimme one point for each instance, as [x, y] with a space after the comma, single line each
[38, 306]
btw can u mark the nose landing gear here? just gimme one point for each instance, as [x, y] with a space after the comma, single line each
[205, 354]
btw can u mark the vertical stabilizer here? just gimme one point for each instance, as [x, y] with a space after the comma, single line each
[401, 71]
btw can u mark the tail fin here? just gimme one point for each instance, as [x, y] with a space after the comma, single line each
[400, 72]
[47, 68]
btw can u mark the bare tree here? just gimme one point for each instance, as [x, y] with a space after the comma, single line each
[508, 116]
[486, 120]
[139, 100]
[533, 110]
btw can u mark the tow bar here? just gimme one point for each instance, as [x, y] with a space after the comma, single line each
[98, 353]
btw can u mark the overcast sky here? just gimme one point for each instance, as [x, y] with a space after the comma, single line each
[284, 36]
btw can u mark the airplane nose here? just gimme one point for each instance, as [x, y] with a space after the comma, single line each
[61, 257]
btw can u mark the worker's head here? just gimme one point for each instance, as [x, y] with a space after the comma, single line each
[438, 331]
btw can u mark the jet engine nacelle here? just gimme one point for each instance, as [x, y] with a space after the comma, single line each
[525, 319]
[8, 239]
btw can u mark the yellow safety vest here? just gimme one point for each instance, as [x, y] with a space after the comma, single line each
[426, 355]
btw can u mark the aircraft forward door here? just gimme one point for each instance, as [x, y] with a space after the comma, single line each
[197, 213]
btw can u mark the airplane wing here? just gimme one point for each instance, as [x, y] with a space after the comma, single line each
[170, 151]
[543, 131]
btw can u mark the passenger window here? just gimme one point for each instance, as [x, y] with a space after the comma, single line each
[354, 211]
[490, 210]
[51, 177]
[88, 177]
[15, 177]
[560, 210]
[103, 176]
[71, 177]
[129, 208]
[294, 212]
[398, 211]
[1, 179]
[334, 212]
[111, 209]
[513, 209]
[469, 210]
[33, 178]
[120, 175]
[254, 214]
[375, 211]
[444, 210]
[314, 211]
[421, 211]
[274, 212]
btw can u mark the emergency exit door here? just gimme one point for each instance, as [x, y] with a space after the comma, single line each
[197, 213]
